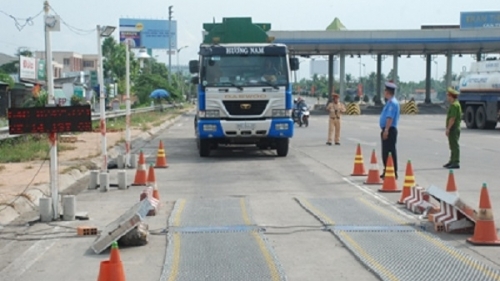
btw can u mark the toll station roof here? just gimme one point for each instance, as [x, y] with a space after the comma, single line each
[404, 42]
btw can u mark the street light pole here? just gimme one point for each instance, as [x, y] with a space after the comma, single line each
[127, 105]
[178, 51]
[170, 44]
[102, 101]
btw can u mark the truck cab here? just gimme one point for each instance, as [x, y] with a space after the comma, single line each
[244, 94]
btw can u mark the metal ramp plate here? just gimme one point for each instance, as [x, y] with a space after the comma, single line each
[391, 249]
[215, 239]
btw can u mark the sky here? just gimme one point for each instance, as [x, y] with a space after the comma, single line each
[84, 15]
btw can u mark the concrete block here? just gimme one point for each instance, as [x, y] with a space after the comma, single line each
[120, 161]
[133, 160]
[46, 211]
[122, 180]
[93, 179]
[69, 207]
[103, 182]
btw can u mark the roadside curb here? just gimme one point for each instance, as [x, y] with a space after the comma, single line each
[30, 200]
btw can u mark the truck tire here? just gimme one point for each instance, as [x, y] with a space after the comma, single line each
[204, 148]
[282, 147]
[470, 116]
[480, 117]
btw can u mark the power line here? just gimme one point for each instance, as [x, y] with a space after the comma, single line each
[75, 30]
[21, 23]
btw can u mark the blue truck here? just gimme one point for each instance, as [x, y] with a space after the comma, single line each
[244, 88]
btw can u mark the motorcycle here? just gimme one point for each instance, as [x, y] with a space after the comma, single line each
[301, 116]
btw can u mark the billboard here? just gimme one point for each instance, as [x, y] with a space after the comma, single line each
[480, 19]
[150, 34]
[27, 68]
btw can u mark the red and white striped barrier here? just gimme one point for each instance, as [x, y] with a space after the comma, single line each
[147, 194]
[418, 201]
[454, 216]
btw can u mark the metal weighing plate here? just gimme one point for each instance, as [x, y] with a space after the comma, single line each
[215, 239]
[390, 247]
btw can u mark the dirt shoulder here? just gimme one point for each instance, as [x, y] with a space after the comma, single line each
[23, 182]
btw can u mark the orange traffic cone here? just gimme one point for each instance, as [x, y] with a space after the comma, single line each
[390, 184]
[152, 182]
[450, 185]
[359, 166]
[485, 232]
[112, 269]
[140, 174]
[408, 184]
[373, 173]
[161, 157]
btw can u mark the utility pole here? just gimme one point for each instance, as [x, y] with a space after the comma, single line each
[49, 23]
[170, 44]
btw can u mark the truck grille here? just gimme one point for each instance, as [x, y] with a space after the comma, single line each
[255, 107]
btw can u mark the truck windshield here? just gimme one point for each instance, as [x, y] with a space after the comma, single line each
[244, 70]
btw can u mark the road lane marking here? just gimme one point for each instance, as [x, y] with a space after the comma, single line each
[20, 265]
[262, 246]
[177, 242]
[373, 144]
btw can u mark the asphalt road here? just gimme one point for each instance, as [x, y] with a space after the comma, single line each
[270, 184]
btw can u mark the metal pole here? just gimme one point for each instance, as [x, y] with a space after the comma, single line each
[54, 188]
[169, 50]
[127, 104]
[178, 66]
[102, 101]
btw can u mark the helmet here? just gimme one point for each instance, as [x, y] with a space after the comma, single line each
[295, 100]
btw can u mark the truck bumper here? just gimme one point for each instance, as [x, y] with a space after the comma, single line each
[270, 128]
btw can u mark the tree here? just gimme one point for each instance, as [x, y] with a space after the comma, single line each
[114, 63]
[13, 66]
[4, 77]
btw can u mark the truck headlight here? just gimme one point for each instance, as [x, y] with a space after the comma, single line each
[209, 114]
[209, 128]
[281, 113]
[281, 126]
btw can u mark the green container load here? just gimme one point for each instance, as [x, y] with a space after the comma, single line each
[236, 30]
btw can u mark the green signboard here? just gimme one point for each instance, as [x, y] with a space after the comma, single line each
[78, 91]
[93, 78]
[41, 71]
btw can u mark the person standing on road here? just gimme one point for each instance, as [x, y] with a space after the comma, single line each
[453, 119]
[389, 119]
[335, 109]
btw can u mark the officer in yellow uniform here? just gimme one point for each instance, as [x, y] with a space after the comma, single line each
[335, 108]
[453, 119]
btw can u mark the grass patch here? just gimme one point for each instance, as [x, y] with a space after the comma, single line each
[143, 121]
[28, 148]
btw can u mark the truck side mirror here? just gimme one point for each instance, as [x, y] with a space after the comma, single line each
[195, 80]
[294, 64]
[194, 66]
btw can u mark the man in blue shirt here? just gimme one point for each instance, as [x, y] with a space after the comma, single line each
[389, 119]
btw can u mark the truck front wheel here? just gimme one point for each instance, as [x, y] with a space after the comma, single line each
[282, 147]
[204, 148]
[469, 117]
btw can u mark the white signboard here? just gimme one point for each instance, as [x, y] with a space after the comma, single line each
[27, 68]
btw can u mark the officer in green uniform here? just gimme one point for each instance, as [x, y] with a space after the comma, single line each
[453, 119]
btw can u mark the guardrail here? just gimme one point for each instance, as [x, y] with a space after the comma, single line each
[4, 131]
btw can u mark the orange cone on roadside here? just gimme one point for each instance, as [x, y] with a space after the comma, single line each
[152, 182]
[408, 184]
[373, 172]
[485, 232]
[359, 166]
[112, 269]
[161, 157]
[450, 185]
[140, 174]
[390, 184]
